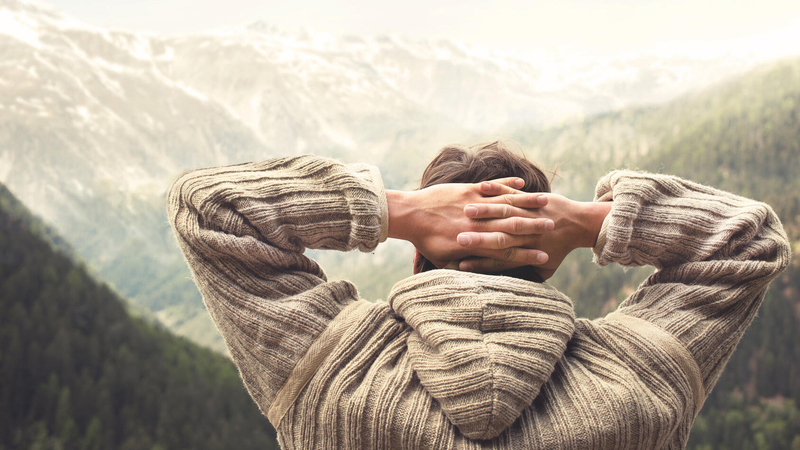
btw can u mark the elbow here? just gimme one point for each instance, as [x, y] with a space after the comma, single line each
[175, 198]
[180, 204]
[774, 236]
[784, 251]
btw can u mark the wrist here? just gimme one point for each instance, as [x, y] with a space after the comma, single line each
[401, 213]
[593, 216]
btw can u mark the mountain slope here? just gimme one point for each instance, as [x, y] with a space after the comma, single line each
[76, 372]
[739, 135]
[749, 142]
[742, 136]
[96, 123]
[90, 134]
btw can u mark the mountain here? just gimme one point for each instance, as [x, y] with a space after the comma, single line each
[747, 140]
[77, 372]
[742, 136]
[95, 123]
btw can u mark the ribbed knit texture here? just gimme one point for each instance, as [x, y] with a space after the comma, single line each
[466, 361]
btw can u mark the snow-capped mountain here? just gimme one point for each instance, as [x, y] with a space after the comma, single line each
[94, 122]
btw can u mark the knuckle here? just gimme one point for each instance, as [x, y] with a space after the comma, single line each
[509, 254]
[495, 265]
[530, 257]
[517, 225]
[501, 240]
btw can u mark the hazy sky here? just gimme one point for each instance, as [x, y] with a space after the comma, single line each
[582, 27]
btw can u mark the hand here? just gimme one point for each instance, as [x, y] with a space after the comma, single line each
[577, 224]
[432, 218]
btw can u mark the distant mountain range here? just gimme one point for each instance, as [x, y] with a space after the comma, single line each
[95, 123]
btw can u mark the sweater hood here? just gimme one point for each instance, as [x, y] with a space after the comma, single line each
[482, 345]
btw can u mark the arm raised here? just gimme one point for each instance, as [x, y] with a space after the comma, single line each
[715, 255]
[243, 230]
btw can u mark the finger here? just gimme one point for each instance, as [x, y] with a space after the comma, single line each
[512, 182]
[498, 246]
[501, 186]
[529, 256]
[501, 206]
[452, 265]
[520, 226]
[492, 211]
[520, 199]
[486, 265]
[491, 241]
[498, 211]
[491, 264]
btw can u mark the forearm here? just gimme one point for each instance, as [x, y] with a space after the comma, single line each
[243, 230]
[715, 252]
[589, 223]
[290, 203]
[665, 221]
[401, 209]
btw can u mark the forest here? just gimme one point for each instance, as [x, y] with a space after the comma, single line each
[78, 372]
[744, 137]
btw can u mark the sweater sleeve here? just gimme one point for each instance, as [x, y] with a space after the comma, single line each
[715, 255]
[243, 230]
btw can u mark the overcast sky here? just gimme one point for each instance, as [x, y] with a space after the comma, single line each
[529, 27]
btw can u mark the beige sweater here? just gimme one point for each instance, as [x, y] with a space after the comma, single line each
[456, 360]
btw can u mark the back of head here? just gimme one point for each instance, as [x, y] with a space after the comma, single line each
[483, 162]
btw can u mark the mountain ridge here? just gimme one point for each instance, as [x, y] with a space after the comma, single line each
[96, 123]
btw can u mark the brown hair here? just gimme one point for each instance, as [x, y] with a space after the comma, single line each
[483, 162]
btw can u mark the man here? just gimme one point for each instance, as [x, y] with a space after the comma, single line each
[455, 359]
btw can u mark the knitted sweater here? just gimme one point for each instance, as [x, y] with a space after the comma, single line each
[456, 360]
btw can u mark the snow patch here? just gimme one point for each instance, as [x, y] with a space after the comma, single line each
[339, 137]
[6, 164]
[32, 103]
[19, 27]
[191, 91]
[168, 55]
[135, 44]
[83, 112]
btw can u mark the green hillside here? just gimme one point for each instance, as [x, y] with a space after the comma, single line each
[77, 372]
[746, 139]
[742, 136]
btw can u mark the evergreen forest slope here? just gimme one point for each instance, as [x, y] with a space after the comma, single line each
[744, 137]
[77, 372]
